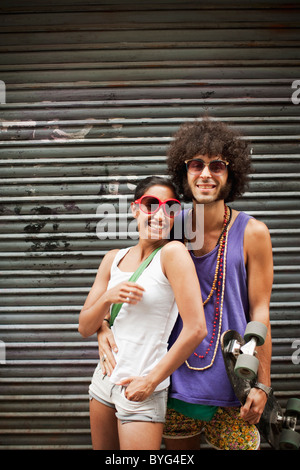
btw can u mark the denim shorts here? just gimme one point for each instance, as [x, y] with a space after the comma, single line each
[152, 409]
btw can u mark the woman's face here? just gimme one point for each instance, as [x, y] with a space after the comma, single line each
[155, 226]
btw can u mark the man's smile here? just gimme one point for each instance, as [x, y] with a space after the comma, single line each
[205, 186]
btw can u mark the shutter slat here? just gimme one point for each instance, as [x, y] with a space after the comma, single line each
[94, 93]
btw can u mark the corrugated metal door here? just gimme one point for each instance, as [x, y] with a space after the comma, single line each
[94, 91]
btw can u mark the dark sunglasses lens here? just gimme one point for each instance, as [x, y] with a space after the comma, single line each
[195, 166]
[149, 204]
[217, 167]
[172, 208]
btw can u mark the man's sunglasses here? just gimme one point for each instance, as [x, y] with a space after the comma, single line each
[196, 165]
[151, 204]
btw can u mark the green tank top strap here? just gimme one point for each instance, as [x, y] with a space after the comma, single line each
[117, 307]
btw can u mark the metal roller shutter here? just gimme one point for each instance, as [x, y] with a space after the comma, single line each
[94, 91]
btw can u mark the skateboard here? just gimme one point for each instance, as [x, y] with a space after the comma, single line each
[276, 426]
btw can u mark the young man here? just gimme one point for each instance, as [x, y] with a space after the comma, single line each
[210, 164]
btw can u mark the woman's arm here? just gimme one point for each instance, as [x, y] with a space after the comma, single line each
[99, 300]
[96, 307]
[181, 273]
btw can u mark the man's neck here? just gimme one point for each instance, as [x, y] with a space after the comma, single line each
[213, 225]
[213, 216]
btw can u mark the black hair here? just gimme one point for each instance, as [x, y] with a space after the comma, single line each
[209, 137]
[150, 181]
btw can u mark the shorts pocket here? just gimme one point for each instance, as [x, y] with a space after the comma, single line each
[136, 403]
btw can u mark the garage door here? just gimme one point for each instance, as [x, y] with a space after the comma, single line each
[91, 95]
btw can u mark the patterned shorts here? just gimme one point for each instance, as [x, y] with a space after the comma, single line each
[226, 431]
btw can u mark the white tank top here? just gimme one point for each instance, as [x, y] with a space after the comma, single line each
[142, 331]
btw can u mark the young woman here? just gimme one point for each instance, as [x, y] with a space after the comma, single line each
[127, 407]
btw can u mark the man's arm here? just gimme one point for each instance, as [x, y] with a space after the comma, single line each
[106, 344]
[259, 265]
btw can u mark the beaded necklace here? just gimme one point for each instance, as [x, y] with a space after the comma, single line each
[218, 286]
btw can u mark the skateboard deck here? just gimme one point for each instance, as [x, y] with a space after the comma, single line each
[271, 423]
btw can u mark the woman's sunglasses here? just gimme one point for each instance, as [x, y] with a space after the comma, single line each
[151, 204]
[196, 165]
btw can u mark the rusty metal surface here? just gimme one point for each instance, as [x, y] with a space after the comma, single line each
[94, 93]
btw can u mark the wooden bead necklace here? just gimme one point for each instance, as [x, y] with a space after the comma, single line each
[218, 286]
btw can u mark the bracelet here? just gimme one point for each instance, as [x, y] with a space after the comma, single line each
[263, 387]
[105, 319]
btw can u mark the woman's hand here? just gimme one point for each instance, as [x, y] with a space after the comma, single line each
[125, 292]
[137, 388]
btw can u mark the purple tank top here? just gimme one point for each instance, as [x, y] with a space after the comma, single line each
[211, 386]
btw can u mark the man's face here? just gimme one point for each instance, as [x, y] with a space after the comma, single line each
[207, 186]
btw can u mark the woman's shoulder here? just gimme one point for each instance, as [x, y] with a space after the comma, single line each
[176, 257]
[111, 254]
[173, 247]
[108, 259]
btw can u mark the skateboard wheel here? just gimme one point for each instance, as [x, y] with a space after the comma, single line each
[246, 366]
[293, 405]
[256, 329]
[289, 440]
